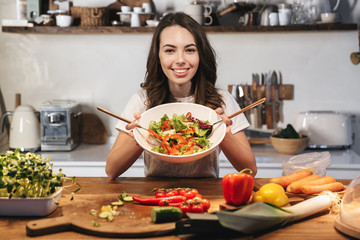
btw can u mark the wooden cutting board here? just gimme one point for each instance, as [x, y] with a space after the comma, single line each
[133, 220]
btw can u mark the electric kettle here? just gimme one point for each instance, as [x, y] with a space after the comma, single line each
[24, 129]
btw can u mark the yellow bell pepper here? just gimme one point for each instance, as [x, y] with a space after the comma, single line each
[271, 193]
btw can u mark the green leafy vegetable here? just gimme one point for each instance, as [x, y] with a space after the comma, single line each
[28, 175]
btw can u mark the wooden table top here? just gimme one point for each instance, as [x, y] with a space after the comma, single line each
[318, 227]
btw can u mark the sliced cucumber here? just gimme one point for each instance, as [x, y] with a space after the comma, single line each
[104, 214]
[128, 199]
[118, 203]
[165, 214]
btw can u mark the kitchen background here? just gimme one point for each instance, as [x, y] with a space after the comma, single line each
[106, 69]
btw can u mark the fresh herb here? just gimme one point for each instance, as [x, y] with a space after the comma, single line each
[28, 176]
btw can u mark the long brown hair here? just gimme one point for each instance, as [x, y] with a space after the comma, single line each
[203, 83]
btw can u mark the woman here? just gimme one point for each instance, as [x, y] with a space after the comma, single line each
[181, 67]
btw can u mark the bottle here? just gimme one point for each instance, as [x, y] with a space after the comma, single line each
[21, 8]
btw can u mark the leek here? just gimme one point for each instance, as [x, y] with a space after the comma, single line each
[261, 216]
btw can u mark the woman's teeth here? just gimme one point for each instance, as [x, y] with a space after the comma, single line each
[179, 70]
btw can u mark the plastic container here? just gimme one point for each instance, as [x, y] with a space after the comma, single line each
[317, 161]
[348, 219]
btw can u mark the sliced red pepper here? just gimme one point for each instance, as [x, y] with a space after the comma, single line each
[155, 134]
[238, 187]
[170, 204]
[180, 140]
[188, 115]
[165, 126]
[190, 150]
[155, 201]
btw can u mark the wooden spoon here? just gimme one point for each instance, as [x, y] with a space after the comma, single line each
[258, 102]
[118, 117]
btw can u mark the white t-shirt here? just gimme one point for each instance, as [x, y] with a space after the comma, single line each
[205, 167]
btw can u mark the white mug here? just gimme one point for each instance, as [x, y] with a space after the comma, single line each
[274, 19]
[199, 12]
[284, 16]
[138, 9]
[146, 7]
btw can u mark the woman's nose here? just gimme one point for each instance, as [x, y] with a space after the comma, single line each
[180, 59]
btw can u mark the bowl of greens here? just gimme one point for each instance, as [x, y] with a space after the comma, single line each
[179, 132]
[289, 141]
[28, 186]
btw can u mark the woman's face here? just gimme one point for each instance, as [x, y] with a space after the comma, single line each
[179, 57]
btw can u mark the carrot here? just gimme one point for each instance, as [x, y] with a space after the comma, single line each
[286, 180]
[314, 189]
[295, 187]
[321, 181]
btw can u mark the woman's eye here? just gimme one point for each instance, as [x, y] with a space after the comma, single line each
[191, 50]
[169, 50]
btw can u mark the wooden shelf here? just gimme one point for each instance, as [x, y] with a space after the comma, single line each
[211, 29]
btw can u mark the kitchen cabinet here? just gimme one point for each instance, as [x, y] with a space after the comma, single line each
[89, 160]
[209, 29]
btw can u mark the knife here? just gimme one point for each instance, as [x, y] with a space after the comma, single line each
[254, 96]
[269, 103]
[263, 94]
[247, 101]
[276, 99]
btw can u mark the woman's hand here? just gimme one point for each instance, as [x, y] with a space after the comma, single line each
[225, 118]
[133, 124]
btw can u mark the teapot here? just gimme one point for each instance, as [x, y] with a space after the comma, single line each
[24, 129]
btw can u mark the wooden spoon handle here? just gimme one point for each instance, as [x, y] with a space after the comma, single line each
[116, 116]
[258, 102]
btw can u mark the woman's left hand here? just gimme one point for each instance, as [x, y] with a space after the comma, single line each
[225, 118]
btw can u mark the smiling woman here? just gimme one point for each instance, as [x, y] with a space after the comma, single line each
[181, 67]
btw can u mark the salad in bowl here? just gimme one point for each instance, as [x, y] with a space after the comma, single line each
[179, 132]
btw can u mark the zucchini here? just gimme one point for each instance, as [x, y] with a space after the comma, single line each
[128, 199]
[118, 203]
[165, 214]
[125, 197]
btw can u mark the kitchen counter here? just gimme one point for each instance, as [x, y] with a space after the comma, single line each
[90, 160]
[320, 226]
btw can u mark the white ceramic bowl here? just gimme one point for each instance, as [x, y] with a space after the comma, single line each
[34, 207]
[64, 20]
[198, 111]
[328, 17]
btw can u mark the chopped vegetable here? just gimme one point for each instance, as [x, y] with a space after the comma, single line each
[117, 203]
[125, 197]
[237, 187]
[284, 181]
[180, 135]
[95, 223]
[165, 214]
[271, 193]
[28, 175]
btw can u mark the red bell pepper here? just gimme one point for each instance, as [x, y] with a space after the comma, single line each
[173, 148]
[238, 187]
[165, 126]
[155, 134]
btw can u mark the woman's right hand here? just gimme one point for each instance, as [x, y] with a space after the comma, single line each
[133, 124]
